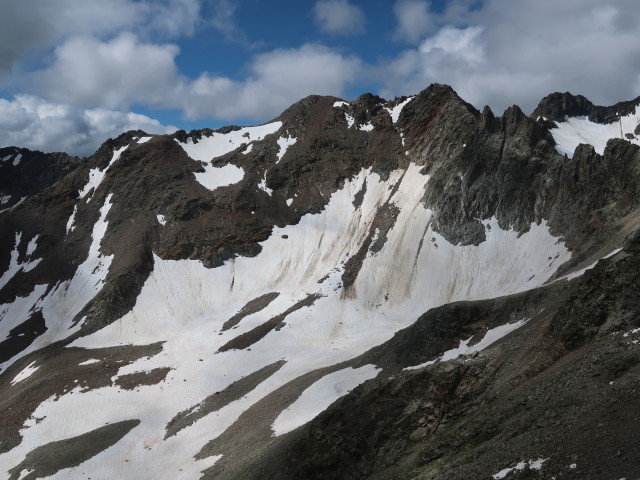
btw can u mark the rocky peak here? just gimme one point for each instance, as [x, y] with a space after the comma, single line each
[557, 106]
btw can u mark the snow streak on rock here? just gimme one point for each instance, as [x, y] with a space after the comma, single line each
[96, 175]
[65, 300]
[72, 219]
[490, 337]
[397, 110]
[15, 265]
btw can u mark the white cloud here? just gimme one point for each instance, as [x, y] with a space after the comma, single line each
[223, 20]
[338, 17]
[112, 74]
[276, 80]
[414, 19]
[32, 122]
[46, 23]
[125, 71]
[455, 43]
[505, 52]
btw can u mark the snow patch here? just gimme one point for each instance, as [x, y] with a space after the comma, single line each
[13, 206]
[16, 161]
[579, 273]
[395, 111]
[89, 362]
[70, 223]
[340, 104]
[320, 395]
[490, 337]
[96, 175]
[144, 139]
[289, 201]
[350, 120]
[576, 130]
[31, 247]
[533, 465]
[218, 144]
[284, 143]
[14, 265]
[367, 127]
[17, 312]
[216, 177]
[5, 199]
[161, 220]
[25, 373]
[263, 185]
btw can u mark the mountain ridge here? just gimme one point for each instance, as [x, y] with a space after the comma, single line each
[329, 217]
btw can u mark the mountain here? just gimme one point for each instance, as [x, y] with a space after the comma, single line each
[373, 289]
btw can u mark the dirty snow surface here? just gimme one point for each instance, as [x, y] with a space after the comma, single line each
[320, 325]
[577, 130]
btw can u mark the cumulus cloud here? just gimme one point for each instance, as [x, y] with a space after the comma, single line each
[125, 71]
[413, 19]
[338, 17]
[276, 79]
[506, 52]
[32, 122]
[113, 74]
[45, 23]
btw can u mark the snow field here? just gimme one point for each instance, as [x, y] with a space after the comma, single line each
[185, 305]
[218, 144]
[577, 130]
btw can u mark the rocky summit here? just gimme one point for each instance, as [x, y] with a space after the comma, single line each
[406, 289]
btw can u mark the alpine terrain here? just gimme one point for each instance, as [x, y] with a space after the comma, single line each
[406, 289]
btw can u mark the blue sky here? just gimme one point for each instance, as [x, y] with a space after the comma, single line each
[75, 72]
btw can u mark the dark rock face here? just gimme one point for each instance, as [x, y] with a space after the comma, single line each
[557, 106]
[572, 368]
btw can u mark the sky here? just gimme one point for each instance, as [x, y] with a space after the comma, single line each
[76, 72]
